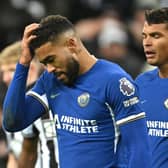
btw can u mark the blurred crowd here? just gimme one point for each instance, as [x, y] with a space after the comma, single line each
[111, 29]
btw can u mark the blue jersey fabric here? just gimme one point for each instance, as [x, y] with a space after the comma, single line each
[154, 100]
[98, 120]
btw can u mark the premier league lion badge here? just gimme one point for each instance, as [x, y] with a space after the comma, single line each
[126, 87]
[83, 99]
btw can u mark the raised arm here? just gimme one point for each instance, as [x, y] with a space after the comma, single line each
[18, 109]
[26, 56]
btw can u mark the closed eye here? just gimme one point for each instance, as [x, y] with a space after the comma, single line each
[48, 60]
[155, 35]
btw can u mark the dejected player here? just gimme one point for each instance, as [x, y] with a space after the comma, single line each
[95, 103]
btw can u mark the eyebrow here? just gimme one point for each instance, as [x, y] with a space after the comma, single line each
[152, 33]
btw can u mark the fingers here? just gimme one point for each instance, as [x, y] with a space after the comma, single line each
[27, 35]
[26, 56]
[28, 29]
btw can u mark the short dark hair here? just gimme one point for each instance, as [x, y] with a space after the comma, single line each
[49, 30]
[157, 16]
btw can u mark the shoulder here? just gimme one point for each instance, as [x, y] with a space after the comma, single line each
[108, 64]
[147, 76]
[108, 68]
[114, 77]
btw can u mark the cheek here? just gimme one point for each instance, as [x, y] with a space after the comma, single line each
[160, 45]
[162, 52]
[163, 49]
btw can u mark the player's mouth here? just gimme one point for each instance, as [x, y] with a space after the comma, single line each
[150, 54]
[61, 76]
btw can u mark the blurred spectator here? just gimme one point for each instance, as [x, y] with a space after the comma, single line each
[12, 22]
[37, 143]
[107, 36]
[88, 15]
[89, 28]
[112, 42]
[82, 9]
[7, 66]
[7, 158]
[14, 15]
[163, 3]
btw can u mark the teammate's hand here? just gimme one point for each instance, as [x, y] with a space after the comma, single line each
[26, 56]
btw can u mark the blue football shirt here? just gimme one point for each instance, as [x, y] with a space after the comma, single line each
[99, 122]
[154, 100]
[86, 114]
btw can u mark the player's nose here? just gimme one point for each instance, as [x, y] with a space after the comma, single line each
[50, 68]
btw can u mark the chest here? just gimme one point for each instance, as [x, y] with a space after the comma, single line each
[82, 103]
[154, 99]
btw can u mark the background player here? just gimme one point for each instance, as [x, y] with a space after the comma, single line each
[35, 145]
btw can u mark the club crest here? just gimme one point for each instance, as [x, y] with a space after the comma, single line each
[166, 103]
[83, 99]
[126, 87]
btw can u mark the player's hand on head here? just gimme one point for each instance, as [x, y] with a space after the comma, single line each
[26, 55]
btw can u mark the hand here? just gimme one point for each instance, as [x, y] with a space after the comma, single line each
[26, 56]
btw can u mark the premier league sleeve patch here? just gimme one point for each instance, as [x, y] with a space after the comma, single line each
[126, 87]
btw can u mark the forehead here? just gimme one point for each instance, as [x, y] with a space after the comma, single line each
[44, 50]
[155, 28]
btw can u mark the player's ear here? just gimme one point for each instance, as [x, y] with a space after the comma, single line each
[71, 44]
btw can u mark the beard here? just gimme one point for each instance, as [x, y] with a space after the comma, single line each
[72, 71]
[71, 74]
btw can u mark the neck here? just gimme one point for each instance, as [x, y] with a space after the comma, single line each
[87, 60]
[163, 71]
